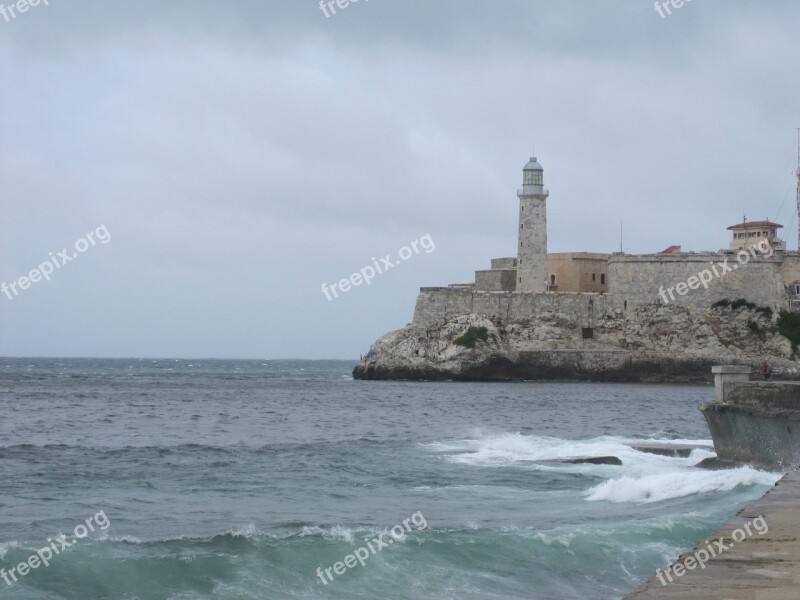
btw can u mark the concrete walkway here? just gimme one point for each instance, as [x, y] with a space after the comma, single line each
[761, 567]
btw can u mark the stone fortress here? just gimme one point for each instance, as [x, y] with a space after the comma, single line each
[593, 283]
[612, 317]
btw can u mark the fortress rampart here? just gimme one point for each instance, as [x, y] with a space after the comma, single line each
[634, 281]
[437, 304]
[638, 279]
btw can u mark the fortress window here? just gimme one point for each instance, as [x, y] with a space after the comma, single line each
[522, 225]
[588, 333]
[626, 305]
[602, 278]
[594, 277]
[552, 279]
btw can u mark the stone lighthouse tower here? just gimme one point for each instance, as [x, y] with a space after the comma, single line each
[532, 249]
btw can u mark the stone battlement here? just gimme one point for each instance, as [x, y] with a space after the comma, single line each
[435, 305]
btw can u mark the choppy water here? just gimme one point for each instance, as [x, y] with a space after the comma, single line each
[238, 479]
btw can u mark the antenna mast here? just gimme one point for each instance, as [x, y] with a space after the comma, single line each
[798, 189]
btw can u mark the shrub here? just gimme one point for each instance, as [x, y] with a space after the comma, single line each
[742, 302]
[739, 303]
[472, 336]
[789, 327]
[754, 327]
[765, 310]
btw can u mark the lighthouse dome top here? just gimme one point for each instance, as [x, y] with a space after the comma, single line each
[532, 179]
[533, 165]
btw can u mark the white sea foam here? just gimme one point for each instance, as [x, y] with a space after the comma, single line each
[677, 483]
[642, 477]
[337, 532]
[508, 449]
[5, 547]
[561, 539]
[128, 539]
[249, 531]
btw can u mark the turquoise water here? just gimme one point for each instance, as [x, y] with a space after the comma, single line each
[239, 479]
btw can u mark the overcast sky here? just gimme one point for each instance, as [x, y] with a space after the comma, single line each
[241, 153]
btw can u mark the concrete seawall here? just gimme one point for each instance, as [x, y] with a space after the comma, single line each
[756, 423]
[761, 567]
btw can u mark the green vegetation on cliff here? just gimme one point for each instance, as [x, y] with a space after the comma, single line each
[472, 336]
[789, 327]
[741, 302]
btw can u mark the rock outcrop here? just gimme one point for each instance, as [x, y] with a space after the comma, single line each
[659, 343]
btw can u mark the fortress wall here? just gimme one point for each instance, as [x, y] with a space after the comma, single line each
[583, 309]
[496, 280]
[505, 263]
[435, 305]
[637, 279]
[494, 304]
[791, 268]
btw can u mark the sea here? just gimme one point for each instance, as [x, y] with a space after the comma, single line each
[239, 480]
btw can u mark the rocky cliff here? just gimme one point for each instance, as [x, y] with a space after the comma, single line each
[651, 343]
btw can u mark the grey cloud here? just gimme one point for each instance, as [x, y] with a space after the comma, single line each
[242, 153]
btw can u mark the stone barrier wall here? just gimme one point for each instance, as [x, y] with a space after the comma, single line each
[435, 305]
[637, 280]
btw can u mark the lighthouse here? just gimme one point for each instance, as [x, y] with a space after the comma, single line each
[532, 248]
